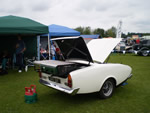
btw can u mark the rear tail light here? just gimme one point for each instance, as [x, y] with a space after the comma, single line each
[69, 81]
[40, 74]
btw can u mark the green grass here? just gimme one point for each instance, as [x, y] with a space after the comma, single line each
[132, 98]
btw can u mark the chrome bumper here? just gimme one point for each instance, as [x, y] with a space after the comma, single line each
[54, 86]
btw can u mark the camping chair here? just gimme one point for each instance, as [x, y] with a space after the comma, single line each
[29, 62]
[43, 54]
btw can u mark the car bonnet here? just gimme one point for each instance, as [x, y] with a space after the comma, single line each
[101, 48]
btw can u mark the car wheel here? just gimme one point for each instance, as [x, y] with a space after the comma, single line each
[107, 89]
[145, 53]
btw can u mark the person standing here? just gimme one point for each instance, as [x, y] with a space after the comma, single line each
[53, 52]
[20, 48]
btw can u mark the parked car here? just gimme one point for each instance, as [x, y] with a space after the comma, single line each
[129, 49]
[120, 48]
[83, 69]
[143, 48]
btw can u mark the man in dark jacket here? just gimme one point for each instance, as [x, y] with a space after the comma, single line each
[20, 48]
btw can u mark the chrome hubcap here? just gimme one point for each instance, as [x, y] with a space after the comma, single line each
[107, 88]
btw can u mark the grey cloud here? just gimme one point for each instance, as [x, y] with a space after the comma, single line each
[142, 23]
[95, 5]
[8, 6]
[16, 6]
[41, 5]
[94, 13]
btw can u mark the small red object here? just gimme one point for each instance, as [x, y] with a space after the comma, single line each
[28, 91]
[30, 94]
[33, 88]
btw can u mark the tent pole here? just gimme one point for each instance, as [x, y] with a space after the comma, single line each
[49, 46]
[38, 47]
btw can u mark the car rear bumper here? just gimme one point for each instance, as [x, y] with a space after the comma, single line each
[54, 86]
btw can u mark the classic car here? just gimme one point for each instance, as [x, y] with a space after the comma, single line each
[143, 48]
[83, 68]
[121, 47]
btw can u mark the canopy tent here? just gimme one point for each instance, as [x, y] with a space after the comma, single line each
[11, 26]
[87, 38]
[61, 31]
[21, 25]
[90, 36]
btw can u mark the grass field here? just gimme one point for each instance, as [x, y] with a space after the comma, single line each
[132, 98]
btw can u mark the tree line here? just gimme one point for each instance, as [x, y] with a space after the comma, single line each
[100, 31]
[111, 32]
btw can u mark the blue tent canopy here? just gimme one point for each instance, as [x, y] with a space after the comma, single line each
[90, 36]
[60, 31]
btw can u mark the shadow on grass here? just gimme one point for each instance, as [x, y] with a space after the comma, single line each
[63, 103]
[56, 96]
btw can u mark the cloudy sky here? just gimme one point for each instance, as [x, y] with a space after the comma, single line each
[135, 14]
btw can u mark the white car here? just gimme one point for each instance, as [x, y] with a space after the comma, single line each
[83, 69]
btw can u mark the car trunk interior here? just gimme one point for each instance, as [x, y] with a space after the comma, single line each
[58, 68]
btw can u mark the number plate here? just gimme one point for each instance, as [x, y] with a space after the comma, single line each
[54, 79]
